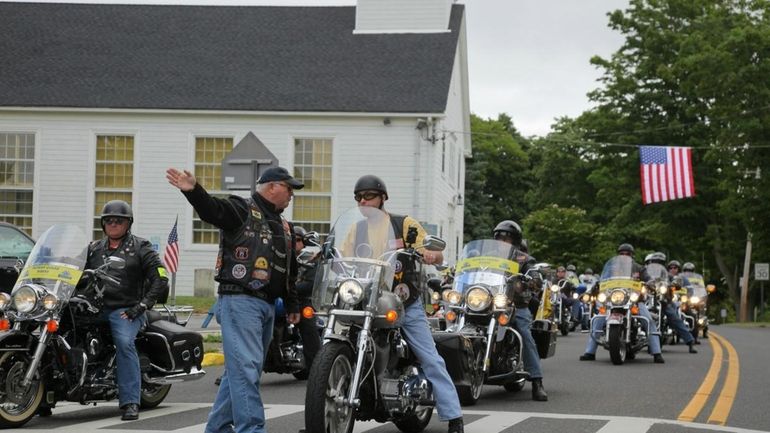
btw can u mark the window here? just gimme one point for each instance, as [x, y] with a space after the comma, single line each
[313, 166]
[17, 172]
[114, 174]
[209, 153]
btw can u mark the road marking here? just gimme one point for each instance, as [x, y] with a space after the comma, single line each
[726, 398]
[703, 393]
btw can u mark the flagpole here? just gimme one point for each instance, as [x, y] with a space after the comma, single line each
[173, 289]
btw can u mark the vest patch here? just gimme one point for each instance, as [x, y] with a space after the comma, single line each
[239, 271]
[241, 253]
[402, 291]
[259, 274]
[260, 263]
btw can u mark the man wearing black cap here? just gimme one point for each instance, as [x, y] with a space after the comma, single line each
[255, 265]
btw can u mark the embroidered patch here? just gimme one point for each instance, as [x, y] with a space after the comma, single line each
[259, 274]
[402, 291]
[255, 213]
[399, 266]
[239, 271]
[162, 272]
[241, 253]
[260, 263]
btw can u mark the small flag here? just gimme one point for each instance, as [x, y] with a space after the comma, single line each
[171, 254]
[666, 173]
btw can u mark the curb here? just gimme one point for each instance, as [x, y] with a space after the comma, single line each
[213, 359]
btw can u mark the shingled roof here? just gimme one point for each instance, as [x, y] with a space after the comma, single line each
[253, 58]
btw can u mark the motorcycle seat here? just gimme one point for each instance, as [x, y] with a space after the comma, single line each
[154, 316]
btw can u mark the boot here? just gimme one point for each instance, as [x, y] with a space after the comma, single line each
[130, 412]
[456, 425]
[658, 358]
[538, 392]
[588, 357]
[692, 349]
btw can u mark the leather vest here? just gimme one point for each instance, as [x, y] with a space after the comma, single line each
[407, 275]
[247, 257]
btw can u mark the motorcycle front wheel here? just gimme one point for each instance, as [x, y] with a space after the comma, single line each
[152, 395]
[18, 404]
[469, 395]
[617, 344]
[329, 383]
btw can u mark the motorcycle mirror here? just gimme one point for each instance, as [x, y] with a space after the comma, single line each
[115, 262]
[433, 243]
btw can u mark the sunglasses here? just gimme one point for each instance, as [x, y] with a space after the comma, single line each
[115, 220]
[366, 196]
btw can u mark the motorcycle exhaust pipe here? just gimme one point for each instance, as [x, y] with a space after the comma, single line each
[194, 374]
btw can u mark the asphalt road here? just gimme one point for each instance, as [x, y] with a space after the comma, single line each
[583, 396]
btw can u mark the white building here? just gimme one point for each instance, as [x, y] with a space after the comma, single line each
[96, 101]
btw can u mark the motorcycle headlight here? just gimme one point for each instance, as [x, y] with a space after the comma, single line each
[662, 289]
[694, 300]
[5, 300]
[50, 301]
[634, 297]
[478, 298]
[702, 320]
[684, 298]
[25, 299]
[644, 290]
[554, 288]
[586, 298]
[575, 295]
[675, 298]
[351, 292]
[500, 300]
[618, 297]
[602, 297]
[453, 297]
[435, 297]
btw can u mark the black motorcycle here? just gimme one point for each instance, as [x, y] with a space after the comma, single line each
[365, 369]
[54, 346]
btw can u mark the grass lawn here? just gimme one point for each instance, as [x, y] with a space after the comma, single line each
[199, 304]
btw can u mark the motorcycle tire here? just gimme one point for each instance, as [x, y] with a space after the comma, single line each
[617, 345]
[152, 395]
[332, 372]
[564, 328]
[13, 415]
[302, 374]
[470, 394]
[414, 423]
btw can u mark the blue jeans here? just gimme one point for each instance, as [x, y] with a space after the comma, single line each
[522, 322]
[597, 329]
[247, 328]
[677, 324]
[420, 340]
[124, 337]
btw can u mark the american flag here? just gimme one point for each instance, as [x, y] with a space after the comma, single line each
[666, 173]
[171, 254]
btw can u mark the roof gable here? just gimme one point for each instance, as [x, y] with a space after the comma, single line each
[252, 58]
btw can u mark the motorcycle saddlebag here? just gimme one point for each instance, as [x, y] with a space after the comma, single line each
[173, 347]
[457, 351]
[544, 332]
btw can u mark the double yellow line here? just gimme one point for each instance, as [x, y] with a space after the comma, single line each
[727, 396]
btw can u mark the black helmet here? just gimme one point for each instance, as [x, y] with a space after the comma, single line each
[589, 271]
[688, 267]
[674, 263]
[656, 257]
[510, 229]
[628, 248]
[299, 232]
[571, 268]
[117, 208]
[370, 182]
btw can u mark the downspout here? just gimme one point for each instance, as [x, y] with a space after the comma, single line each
[416, 197]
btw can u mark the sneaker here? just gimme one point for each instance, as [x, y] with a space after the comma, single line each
[658, 358]
[588, 357]
[456, 425]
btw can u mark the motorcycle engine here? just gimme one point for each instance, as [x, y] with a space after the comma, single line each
[407, 393]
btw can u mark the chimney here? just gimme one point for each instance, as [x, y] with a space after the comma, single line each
[402, 16]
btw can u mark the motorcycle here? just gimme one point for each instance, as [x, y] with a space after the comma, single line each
[625, 331]
[55, 347]
[479, 307]
[694, 305]
[562, 314]
[365, 369]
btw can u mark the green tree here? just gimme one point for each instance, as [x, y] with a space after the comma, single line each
[560, 235]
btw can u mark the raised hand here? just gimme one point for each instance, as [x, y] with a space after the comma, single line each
[184, 180]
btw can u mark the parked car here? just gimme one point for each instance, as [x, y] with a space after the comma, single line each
[15, 246]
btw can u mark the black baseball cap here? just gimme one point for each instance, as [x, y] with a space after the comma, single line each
[278, 174]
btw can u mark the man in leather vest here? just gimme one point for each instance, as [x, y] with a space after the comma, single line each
[371, 191]
[510, 232]
[124, 305]
[255, 265]
[679, 287]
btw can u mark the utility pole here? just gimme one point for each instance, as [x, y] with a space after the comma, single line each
[744, 316]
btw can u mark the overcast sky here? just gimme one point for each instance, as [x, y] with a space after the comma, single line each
[527, 58]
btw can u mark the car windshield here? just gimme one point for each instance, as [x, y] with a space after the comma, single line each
[14, 242]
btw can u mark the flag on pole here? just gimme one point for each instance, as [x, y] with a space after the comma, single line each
[666, 173]
[171, 254]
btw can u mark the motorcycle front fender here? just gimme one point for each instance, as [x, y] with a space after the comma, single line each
[15, 341]
[339, 337]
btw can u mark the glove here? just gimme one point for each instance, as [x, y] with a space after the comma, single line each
[135, 311]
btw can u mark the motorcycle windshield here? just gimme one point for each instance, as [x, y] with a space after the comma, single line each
[697, 285]
[57, 261]
[487, 263]
[618, 273]
[655, 272]
[361, 246]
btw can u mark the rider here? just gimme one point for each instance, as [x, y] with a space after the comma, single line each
[690, 268]
[370, 191]
[567, 288]
[510, 232]
[597, 328]
[143, 282]
[670, 307]
[311, 339]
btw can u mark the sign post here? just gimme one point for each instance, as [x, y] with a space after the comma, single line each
[762, 274]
